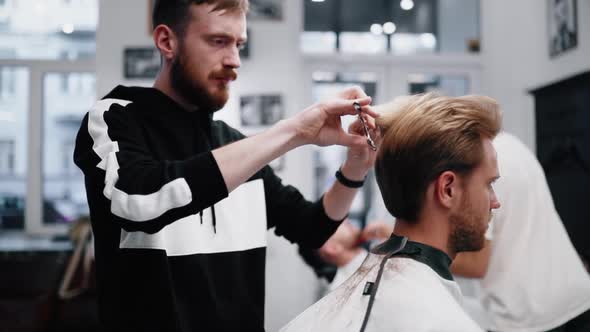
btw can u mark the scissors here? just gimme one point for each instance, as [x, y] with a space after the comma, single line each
[357, 107]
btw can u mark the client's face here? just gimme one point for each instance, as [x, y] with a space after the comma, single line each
[469, 221]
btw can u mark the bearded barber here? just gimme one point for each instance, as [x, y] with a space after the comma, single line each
[180, 204]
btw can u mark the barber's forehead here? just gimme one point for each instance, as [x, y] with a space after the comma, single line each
[226, 20]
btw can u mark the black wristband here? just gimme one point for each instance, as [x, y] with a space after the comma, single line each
[348, 182]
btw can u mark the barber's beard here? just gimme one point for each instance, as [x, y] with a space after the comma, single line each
[192, 90]
[467, 233]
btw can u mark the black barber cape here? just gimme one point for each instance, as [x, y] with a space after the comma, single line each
[175, 251]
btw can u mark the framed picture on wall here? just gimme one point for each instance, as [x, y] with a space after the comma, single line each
[563, 26]
[261, 110]
[141, 62]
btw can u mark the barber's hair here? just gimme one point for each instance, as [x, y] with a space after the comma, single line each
[425, 135]
[176, 13]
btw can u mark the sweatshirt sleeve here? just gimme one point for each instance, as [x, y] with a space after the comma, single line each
[144, 194]
[294, 217]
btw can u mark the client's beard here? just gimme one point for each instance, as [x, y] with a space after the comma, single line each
[465, 234]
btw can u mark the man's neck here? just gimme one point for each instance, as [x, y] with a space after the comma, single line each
[162, 83]
[434, 233]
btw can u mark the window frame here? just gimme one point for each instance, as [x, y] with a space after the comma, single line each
[37, 69]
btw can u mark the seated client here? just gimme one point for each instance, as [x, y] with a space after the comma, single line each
[435, 168]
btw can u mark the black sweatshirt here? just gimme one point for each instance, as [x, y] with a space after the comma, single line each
[174, 251]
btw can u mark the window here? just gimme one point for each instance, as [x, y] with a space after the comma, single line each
[38, 29]
[66, 152]
[318, 42]
[362, 42]
[6, 157]
[449, 85]
[7, 82]
[397, 27]
[14, 123]
[64, 106]
[47, 83]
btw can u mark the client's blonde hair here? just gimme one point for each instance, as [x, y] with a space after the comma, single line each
[425, 135]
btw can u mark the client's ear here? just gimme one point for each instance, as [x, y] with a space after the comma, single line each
[446, 188]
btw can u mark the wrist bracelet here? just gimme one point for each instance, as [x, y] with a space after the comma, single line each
[348, 182]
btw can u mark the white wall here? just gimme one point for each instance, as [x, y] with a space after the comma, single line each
[120, 24]
[515, 57]
[274, 67]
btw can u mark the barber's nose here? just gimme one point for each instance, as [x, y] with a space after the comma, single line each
[232, 58]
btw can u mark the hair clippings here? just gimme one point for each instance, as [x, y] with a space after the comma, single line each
[370, 142]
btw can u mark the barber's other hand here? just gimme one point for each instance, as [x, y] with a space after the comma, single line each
[320, 123]
[345, 244]
[376, 230]
[341, 247]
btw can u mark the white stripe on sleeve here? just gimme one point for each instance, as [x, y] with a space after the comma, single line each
[131, 207]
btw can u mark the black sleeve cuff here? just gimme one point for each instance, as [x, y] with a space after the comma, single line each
[322, 226]
[321, 268]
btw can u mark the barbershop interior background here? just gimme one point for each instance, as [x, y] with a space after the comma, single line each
[58, 56]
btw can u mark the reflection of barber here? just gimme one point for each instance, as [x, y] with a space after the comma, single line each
[564, 37]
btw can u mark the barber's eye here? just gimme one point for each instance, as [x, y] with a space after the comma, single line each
[219, 41]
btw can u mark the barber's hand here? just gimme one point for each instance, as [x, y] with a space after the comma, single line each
[341, 248]
[320, 123]
[376, 230]
[345, 244]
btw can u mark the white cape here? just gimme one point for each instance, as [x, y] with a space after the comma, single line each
[411, 297]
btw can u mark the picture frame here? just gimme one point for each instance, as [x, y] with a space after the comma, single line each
[562, 18]
[261, 110]
[141, 62]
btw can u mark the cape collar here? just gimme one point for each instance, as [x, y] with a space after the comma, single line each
[436, 259]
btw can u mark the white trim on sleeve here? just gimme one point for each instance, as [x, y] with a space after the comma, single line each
[131, 207]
